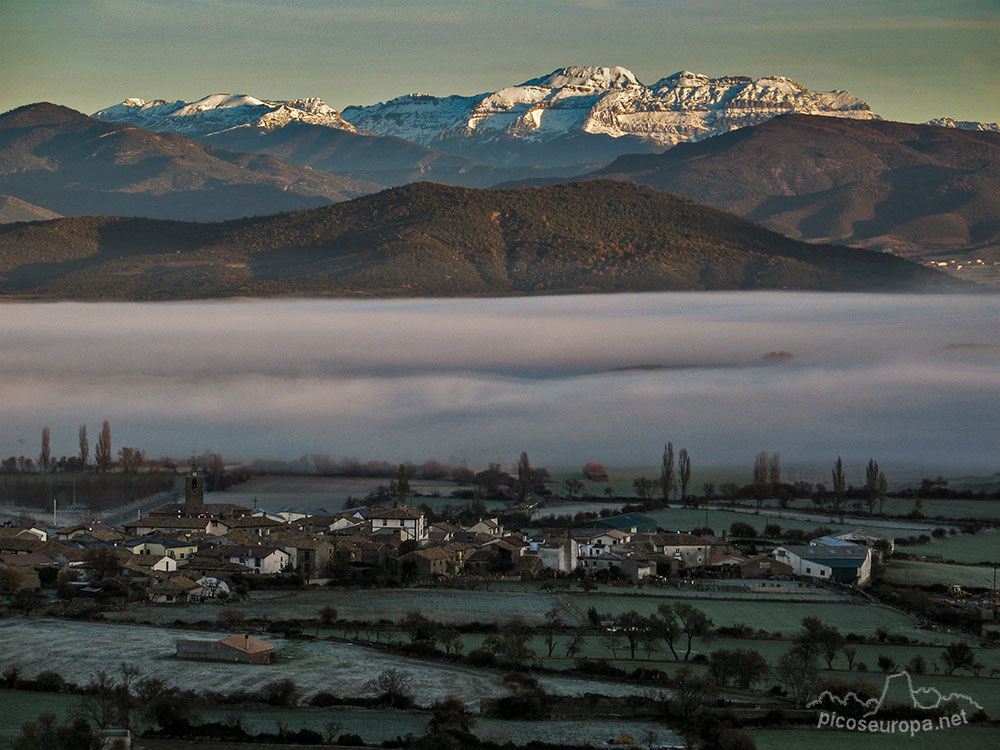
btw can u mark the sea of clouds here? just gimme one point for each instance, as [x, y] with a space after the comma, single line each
[908, 379]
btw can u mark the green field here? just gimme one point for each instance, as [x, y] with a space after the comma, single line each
[446, 605]
[19, 706]
[684, 519]
[931, 507]
[913, 573]
[966, 548]
[783, 617]
[374, 725]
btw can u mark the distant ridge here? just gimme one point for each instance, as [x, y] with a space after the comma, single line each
[66, 162]
[909, 189]
[433, 240]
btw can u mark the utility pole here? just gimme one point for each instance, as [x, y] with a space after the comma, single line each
[54, 513]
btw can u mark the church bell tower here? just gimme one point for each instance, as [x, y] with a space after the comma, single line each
[194, 492]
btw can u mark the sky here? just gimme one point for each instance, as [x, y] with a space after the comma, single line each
[611, 378]
[910, 60]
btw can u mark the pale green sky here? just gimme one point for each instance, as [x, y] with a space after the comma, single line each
[910, 60]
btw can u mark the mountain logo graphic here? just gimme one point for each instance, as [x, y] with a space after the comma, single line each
[898, 690]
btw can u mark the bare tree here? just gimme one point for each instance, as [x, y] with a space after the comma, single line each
[523, 476]
[693, 623]
[132, 459]
[102, 451]
[839, 484]
[684, 471]
[100, 703]
[774, 469]
[553, 623]
[644, 487]
[667, 471]
[84, 447]
[762, 469]
[573, 487]
[883, 490]
[45, 457]
[871, 484]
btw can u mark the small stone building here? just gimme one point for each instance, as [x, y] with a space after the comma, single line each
[247, 649]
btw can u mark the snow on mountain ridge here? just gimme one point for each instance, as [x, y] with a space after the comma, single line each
[218, 112]
[587, 77]
[567, 102]
[603, 100]
[948, 122]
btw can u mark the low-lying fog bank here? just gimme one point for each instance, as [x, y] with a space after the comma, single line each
[904, 378]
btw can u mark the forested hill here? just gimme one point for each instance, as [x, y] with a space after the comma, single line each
[429, 239]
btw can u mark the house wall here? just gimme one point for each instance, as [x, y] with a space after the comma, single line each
[409, 528]
[690, 555]
[215, 651]
[562, 558]
[805, 567]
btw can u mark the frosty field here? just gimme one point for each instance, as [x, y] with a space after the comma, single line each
[915, 573]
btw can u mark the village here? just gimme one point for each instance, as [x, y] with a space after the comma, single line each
[527, 617]
[192, 551]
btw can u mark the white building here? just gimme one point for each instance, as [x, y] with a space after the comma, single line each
[849, 563]
[408, 522]
[264, 560]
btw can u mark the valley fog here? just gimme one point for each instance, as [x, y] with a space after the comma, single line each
[907, 379]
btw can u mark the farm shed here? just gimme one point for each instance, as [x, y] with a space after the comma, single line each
[239, 648]
[844, 564]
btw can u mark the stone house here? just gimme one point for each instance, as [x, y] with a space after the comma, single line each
[247, 649]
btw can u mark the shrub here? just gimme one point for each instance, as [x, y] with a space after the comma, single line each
[885, 663]
[280, 693]
[599, 667]
[230, 618]
[481, 658]
[323, 699]
[392, 687]
[49, 682]
[525, 706]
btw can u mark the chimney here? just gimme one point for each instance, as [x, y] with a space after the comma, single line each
[246, 641]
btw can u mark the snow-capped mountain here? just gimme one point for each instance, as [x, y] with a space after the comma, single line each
[220, 112]
[607, 101]
[948, 122]
[577, 117]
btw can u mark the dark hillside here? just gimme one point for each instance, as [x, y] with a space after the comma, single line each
[427, 239]
[61, 160]
[911, 189]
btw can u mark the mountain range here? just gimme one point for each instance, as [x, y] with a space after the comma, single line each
[816, 166]
[65, 162]
[909, 189]
[434, 240]
[571, 108]
[572, 117]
